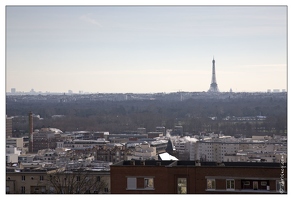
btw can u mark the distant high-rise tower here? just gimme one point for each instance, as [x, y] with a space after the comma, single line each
[214, 85]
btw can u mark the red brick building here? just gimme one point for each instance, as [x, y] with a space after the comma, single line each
[190, 177]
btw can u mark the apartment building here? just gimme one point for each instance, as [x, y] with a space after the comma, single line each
[45, 138]
[51, 181]
[222, 148]
[12, 154]
[161, 129]
[78, 144]
[247, 156]
[193, 177]
[126, 137]
[26, 158]
[143, 152]
[215, 151]
[25, 181]
[111, 154]
[16, 142]
[160, 145]
[183, 147]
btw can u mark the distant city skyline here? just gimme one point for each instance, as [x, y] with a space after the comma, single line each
[32, 91]
[145, 49]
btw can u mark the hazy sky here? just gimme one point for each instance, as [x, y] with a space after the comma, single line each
[144, 49]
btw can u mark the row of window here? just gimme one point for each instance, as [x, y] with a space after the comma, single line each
[135, 183]
[245, 184]
[43, 190]
[23, 178]
[211, 184]
[42, 178]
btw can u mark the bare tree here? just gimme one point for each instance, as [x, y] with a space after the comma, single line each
[75, 182]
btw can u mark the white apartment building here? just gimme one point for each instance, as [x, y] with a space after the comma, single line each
[231, 149]
[12, 154]
[215, 150]
[181, 145]
[256, 157]
[27, 158]
[184, 146]
[16, 142]
[144, 152]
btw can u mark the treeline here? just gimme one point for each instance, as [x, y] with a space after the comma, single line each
[193, 114]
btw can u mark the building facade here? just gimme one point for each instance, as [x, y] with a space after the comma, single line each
[230, 149]
[41, 181]
[45, 138]
[16, 142]
[114, 154]
[191, 177]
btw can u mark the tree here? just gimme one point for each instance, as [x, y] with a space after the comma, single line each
[76, 182]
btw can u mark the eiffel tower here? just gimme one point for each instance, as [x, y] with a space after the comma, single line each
[214, 85]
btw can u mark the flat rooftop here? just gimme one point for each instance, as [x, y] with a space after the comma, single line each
[172, 163]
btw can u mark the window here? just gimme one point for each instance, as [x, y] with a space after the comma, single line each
[230, 184]
[98, 178]
[78, 178]
[181, 186]
[22, 189]
[246, 183]
[41, 178]
[255, 185]
[106, 190]
[131, 183]
[211, 184]
[7, 190]
[280, 186]
[140, 183]
[263, 183]
[23, 178]
[148, 183]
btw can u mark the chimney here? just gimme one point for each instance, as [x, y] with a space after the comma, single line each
[31, 129]
[30, 123]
